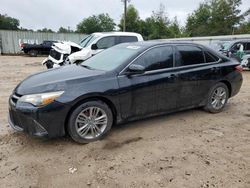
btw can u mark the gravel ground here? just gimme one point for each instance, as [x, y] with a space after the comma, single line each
[185, 149]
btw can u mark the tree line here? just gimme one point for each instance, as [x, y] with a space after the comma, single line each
[212, 17]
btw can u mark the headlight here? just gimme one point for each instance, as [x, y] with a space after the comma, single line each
[41, 99]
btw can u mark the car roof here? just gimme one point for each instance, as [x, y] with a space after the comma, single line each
[152, 43]
[117, 33]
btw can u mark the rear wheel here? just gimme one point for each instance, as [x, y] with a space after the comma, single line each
[33, 53]
[90, 122]
[217, 98]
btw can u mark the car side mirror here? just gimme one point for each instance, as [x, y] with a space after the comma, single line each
[135, 69]
[94, 47]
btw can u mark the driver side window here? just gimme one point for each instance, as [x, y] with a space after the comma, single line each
[156, 58]
[106, 42]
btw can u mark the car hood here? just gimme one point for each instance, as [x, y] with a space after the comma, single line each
[56, 79]
[83, 54]
[65, 47]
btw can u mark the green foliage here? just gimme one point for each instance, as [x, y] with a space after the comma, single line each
[64, 30]
[214, 17]
[99, 23]
[8, 23]
[157, 26]
[244, 27]
[133, 21]
[175, 29]
[45, 30]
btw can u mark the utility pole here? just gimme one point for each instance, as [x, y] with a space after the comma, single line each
[125, 14]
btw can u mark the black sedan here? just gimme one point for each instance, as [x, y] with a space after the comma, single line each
[124, 83]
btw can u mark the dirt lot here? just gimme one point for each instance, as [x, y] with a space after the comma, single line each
[185, 149]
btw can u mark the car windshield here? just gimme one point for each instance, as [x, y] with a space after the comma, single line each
[111, 58]
[88, 40]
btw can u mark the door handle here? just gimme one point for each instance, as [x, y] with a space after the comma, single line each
[173, 75]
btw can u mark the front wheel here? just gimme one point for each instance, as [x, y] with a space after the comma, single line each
[90, 122]
[248, 64]
[49, 64]
[217, 98]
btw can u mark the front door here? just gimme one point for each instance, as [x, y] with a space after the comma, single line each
[153, 91]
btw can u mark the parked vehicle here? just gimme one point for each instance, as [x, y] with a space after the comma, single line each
[219, 45]
[37, 49]
[68, 53]
[239, 50]
[123, 83]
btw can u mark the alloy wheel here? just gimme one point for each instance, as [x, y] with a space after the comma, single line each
[219, 98]
[91, 122]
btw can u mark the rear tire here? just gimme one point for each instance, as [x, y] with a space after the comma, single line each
[217, 98]
[33, 53]
[90, 121]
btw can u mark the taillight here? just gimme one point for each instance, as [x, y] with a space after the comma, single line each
[239, 68]
[22, 45]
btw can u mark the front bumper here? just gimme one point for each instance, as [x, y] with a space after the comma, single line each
[46, 121]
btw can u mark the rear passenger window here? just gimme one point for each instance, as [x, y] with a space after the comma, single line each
[124, 39]
[247, 46]
[210, 57]
[190, 55]
[106, 42]
[157, 58]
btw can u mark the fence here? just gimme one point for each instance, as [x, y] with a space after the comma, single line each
[10, 40]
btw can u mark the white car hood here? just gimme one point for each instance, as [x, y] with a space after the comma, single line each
[84, 54]
[65, 47]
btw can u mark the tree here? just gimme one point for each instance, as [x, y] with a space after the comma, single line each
[45, 30]
[198, 21]
[133, 21]
[244, 26]
[64, 30]
[156, 26]
[8, 23]
[96, 23]
[175, 29]
[214, 17]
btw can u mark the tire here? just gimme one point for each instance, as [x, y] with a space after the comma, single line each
[248, 64]
[49, 64]
[84, 125]
[33, 53]
[219, 93]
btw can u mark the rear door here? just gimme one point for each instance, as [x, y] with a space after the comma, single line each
[195, 75]
[125, 39]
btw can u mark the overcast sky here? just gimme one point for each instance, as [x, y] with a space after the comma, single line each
[37, 14]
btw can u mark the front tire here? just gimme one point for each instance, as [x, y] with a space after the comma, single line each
[49, 64]
[217, 98]
[90, 122]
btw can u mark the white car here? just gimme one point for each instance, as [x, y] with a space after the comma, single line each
[68, 52]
